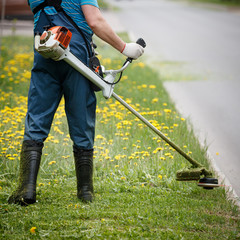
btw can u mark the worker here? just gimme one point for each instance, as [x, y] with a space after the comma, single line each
[50, 80]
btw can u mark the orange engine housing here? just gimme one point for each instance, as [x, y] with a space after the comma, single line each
[62, 35]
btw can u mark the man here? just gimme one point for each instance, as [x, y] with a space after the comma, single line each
[51, 80]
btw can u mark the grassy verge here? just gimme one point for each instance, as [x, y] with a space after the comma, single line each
[136, 195]
[230, 3]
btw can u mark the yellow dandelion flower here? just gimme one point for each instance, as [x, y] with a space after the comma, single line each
[154, 100]
[141, 64]
[33, 230]
[99, 137]
[167, 110]
[52, 162]
[160, 176]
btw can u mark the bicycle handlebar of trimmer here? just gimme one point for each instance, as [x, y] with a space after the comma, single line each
[142, 43]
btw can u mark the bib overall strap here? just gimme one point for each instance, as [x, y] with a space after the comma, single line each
[52, 3]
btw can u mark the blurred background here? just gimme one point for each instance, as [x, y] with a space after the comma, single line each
[15, 9]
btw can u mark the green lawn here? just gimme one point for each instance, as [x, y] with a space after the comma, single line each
[136, 194]
[230, 3]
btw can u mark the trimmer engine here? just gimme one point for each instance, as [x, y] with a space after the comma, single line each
[49, 42]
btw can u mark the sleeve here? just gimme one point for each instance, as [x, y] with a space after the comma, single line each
[90, 2]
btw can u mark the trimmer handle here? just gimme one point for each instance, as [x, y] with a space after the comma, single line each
[142, 43]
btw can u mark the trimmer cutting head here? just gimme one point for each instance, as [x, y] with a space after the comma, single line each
[208, 183]
[190, 174]
[195, 174]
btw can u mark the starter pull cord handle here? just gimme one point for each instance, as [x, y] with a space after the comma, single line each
[142, 43]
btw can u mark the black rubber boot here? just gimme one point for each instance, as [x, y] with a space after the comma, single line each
[30, 158]
[84, 172]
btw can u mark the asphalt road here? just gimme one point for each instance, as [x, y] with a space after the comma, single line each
[206, 39]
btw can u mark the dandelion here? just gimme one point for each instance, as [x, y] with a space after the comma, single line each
[99, 137]
[33, 230]
[141, 64]
[52, 162]
[160, 177]
[167, 110]
[154, 100]
[123, 178]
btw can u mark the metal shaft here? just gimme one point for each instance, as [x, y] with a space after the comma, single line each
[159, 133]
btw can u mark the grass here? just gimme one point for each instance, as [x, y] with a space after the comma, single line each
[230, 3]
[136, 194]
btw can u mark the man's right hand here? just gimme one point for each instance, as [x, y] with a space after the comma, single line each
[132, 50]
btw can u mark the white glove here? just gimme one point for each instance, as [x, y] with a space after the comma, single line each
[133, 50]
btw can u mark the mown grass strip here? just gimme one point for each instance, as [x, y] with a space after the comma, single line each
[136, 194]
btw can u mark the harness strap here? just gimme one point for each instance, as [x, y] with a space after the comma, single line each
[51, 3]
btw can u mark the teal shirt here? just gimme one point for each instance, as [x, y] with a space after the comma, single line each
[72, 8]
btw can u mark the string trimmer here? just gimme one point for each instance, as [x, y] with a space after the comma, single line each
[54, 44]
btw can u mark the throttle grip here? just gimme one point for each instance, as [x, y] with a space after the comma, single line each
[142, 43]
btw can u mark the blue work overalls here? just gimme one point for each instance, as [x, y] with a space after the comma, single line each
[50, 80]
